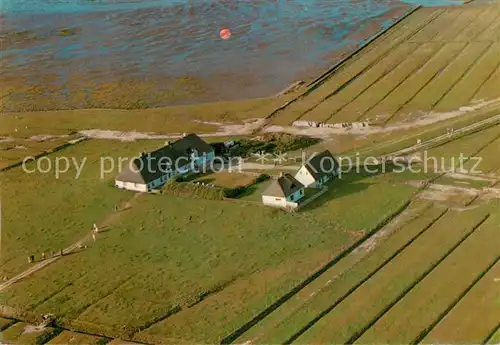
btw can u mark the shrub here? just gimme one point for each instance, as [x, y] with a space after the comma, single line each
[262, 178]
[191, 190]
[234, 192]
[273, 142]
[180, 178]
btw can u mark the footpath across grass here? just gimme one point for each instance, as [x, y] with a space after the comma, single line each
[173, 269]
[42, 213]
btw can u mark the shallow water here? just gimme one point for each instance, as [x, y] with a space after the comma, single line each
[274, 42]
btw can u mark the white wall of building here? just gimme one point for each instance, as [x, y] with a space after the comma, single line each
[163, 179]
[278, 202]
[273, 201]
[305, 177]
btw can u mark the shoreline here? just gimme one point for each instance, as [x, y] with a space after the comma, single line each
[143, 92]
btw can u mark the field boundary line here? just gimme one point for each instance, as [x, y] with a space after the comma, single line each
[359, 333]
[100, 297]
[441, 70]
[325, 75]
[469, 43]
[364, 280]
[452, 121]
[378, 59]
[53, 294]
[463, 75]
[415, 70]
[426, 84]
[475, 38]
[268, 310]
[406, 41]
[447, 138]
[48, 152]
[33, 320]
[449, 23]
[465, 12]
[343, 61]
[368, 68]
[491, 335]
[494, 70]
[396, 228]
[11, 323]
[426, 331]
[492, 27]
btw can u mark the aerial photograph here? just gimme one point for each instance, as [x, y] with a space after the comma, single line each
[249, 172]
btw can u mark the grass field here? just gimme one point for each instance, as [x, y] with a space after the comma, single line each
[225, 179]
[17, 334]
[481, 303]
[495, 337]
[5, 323]
[66, 337]
[175, 119]
[334, 284]
[438, 292]
[373, 260]
[254, 193]
[435, 60]
[463, 181]
[51, 213]
[386, 143]
[474, 145]
[12, 152]
[166, 246]
[356, 67]
[489, 158]
[350, 318]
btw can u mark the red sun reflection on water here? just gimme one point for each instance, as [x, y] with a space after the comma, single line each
[225, 33]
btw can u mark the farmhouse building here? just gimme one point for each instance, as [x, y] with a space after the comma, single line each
[318, 170]
[154, 169]
[286, 191]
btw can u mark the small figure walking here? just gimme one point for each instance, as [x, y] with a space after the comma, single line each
[93, 236]
[61, 252]
[31, 259]
[116, 208]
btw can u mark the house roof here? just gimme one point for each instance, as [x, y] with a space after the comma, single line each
[190, 142]
[322, 164]
[151, 166]
[284, 186]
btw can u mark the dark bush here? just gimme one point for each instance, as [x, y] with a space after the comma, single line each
[234, 192]
[180, 178]
[219, 148]
[191, 190]
[262, 178]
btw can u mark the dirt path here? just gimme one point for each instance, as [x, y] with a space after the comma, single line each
[38, 266]
[224, 130]
[447, 137]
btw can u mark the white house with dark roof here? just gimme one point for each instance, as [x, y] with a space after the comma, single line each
[318, 170]
[284, 192]
[154, 169]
